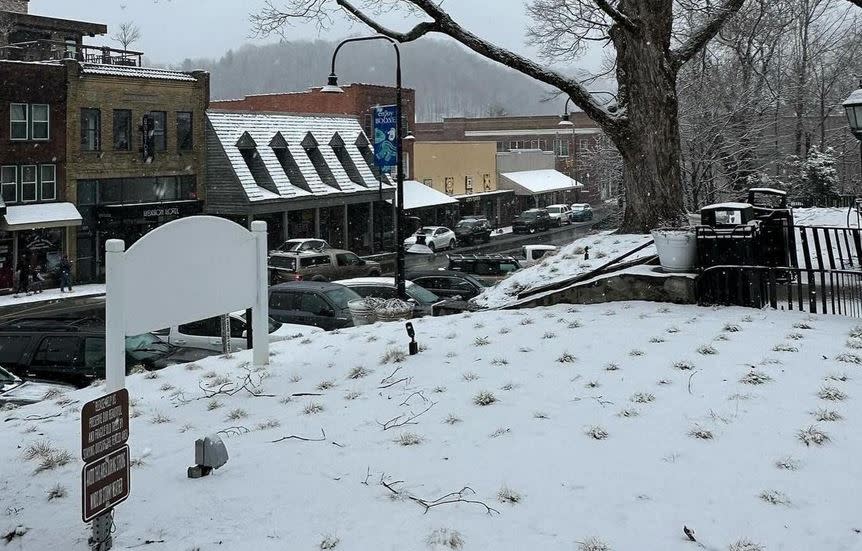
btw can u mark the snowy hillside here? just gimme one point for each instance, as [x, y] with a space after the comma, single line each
[558, 428]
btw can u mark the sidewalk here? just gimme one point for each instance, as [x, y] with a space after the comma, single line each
[53, 294]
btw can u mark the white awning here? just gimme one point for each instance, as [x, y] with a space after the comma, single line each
[533, 182]
[42, 215]
[418, 196]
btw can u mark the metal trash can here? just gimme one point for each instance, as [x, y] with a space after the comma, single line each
[778, 234]
[729, 235]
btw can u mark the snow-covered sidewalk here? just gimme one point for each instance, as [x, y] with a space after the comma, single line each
[614, 424]
[53, 294]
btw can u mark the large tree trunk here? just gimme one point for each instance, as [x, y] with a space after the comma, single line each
[650, 141]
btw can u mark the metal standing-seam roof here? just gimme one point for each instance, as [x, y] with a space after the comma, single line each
[135, 72]
[229, 126]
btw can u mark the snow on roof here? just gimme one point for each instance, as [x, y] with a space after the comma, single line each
[135, 72]
[261, 126]
[42, 215]
[729, 205]
[417, 195]
[529, 182]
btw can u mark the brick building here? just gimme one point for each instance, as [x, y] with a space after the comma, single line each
[524, 132]
[358, 100]
[72, 164]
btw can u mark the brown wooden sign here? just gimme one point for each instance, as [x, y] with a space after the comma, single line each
[105, 483]
[104, 425]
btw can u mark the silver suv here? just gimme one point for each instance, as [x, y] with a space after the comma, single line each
[327, 265]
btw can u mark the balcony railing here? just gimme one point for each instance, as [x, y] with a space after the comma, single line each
[48, 50]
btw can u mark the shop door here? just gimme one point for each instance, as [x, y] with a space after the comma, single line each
[7, 268]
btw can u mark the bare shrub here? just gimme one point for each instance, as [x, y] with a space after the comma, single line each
[656, 340]
[268, 424]
[160, 419]
[452, 419]
[755, 378]
[481, 341]
[218, 381]
[612, 367]
[393, 355]
[566, 358]
[683, 365]
[38, 449]
[237, 414]
[731, 328]
[499, 362]
[58, 491]
[827, 415]
[326, 385]
[53, 460]
[840, 377]
[549, 335]
[707, 350]
[831, 393]
[597, 433]
[701, 433]
[745, 545]
[445, 538]
[484, 398]
[774, 497]
[849, 358]
[803, 325]
[784, 347]
[329, 542]
[213, 404]
[312, 408]
[505, 331]
[469, 376]
[593, 544]
[358, 372]
[574, 324]
[813, 435]
[408, 439]
[642, 398]
[526, 321]
[787, 464]
[352, 395]
[508, 495]
[635, 352]
[629, 412]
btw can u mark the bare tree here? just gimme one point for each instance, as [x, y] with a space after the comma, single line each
[651, 44]
[127, 34]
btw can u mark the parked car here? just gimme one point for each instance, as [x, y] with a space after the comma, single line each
[15, 391]
[317, 303]
[534, 253]
[449, 283]
[492, 267]
[471, 230]
[73, 350]
[327, 265]
[433, 237]
[206, 333]
[531, 221]
[303, 244]
[384, 287]
[582, 212]
[560, 214]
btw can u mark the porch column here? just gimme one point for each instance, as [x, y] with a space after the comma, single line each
[371, 224]
[284, 223]
[250, 219]
[344, 232]
[317, 222]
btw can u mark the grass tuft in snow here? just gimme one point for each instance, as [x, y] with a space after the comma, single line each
[628, 412]
[237, 414]
[508, 386]
[38, 449]
[312, 408]
[755, 378]
[642, 398]
[566, 358]
[831, 393]
[160, 419]
[268, 424]
[326, 385]
[525, 349]
[186, 428]
[593, 544]
[51, 394]
[574, 324]
[209, 375]
[700, 433]
[854, 343]
[478, 325]
[508, 495]
[813, 435]
[597, 433]
[747, 319]
[151, 375]
[499, 362]
[841, 377]
[672, 330]
[526, 321]
[439, 389]
[774, 497]
[656, 340]
[540, 415]
[731, 328]
[481, 341]
[849, 358]
[612, 367]
[470, 376]
[707, 350]
[549, 335]
[352, 395]
[393, 355]
[827, 415]
[452, 419]
[856, 332]
[803, 325]
[484, 398]
[58, 491]
[500, 432]
[745, 545]
[53, 460]
[504, 331]
[664, 382]
[784, 347]
[592, 384]
[451, 354]
[213, 404]
[787, 464]
[721, 337]
[408, 439]
[329, 542]
[358, 372]
[683, 365]
[443, 538]
[167, 387]
[193, 367]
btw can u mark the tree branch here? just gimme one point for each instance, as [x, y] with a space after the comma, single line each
[442, 23]
[700, 37]
[616, 15]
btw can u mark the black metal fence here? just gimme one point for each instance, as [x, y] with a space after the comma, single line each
[828, 248]
[822, 291]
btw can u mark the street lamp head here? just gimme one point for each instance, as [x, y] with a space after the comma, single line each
[565, 121]
[332, 86]
[853, 108]
[409, 137]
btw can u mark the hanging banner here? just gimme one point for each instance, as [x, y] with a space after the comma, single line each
[385, 144]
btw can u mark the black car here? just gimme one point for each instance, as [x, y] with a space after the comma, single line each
[73, 350]
[316, 303]
[491, 267]
[473, 229]
[449, 283]
[531, 221]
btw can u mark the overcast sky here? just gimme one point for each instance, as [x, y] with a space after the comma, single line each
[173, 30]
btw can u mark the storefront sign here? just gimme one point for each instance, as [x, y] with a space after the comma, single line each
[149, 210]
[154, 213]
[385, 139]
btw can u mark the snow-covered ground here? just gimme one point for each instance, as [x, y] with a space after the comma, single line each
[53, 294]
[568, 262]
[622, 422]
[824, 217]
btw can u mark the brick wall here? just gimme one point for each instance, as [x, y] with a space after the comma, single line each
[140, 95]
[357, 100]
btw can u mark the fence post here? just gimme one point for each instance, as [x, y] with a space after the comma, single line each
[260, 312]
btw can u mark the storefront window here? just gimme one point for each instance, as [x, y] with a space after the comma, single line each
[87, 192]
[42, 249]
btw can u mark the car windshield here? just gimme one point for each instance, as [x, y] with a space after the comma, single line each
[292, 245]
[273, 325]
[529, 215]
[146, 347]
[341, 296]
[421, 294]
[284, 262]
[476, 280]
[579, 207]
[555, 210]
[424, 231]
[467, 223]
[6, 377]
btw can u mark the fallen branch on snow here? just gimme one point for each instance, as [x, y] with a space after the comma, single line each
[448, 499]
[403, 420]
[302, 438]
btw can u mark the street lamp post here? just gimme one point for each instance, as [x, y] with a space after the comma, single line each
[333, 88]
[853, 108]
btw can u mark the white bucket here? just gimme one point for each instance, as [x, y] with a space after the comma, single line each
[677, 248]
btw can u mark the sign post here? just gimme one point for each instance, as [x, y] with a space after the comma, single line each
[386, 137]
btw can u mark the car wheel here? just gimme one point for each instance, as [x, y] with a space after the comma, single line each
[451, 244]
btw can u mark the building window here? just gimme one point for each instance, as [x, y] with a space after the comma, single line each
[562, 148]
[160, 138]
[468, 184]
[185, 138]
[543, 145]
[122, 130]
[450, 185]
[28, 183]
[486, 182]
[9, 183]
[534, 144]
[18, 121]
[428, 182]
[41, 116]
[48, 182]
[583, 145]
[91, 129]
[501, 147]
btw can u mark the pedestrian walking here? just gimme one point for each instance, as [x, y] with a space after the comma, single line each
[65, 274]
[24, 277]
